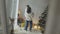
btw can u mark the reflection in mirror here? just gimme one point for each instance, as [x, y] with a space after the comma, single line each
[32, 15]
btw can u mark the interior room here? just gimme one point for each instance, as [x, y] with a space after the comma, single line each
[29, 16]
[39, 9]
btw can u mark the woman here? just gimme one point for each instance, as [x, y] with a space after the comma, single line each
[28, 17]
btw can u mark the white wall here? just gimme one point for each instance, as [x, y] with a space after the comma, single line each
[37, 6]
[53, 20]
[2, 17]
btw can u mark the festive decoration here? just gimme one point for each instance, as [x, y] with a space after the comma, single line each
[42, 19]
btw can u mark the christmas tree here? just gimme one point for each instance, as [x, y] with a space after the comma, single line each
[43, 18]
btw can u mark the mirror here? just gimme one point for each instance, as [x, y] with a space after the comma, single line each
[40, 11]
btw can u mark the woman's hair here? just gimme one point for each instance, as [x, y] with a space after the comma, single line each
[28, 9]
